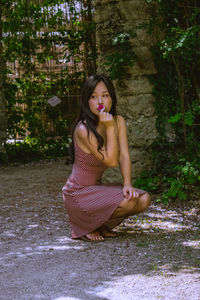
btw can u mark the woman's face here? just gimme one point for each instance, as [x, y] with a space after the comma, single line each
[100, 96]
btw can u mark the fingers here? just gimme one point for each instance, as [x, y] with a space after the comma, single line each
[104, 114]
[105, 117]
[125, 194]
[130, 193]
[135, 194]
[102, 110]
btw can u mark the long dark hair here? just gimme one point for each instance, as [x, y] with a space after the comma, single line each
[89, 119]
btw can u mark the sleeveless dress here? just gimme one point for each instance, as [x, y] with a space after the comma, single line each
[89, 203]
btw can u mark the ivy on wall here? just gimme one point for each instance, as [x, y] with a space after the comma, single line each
[176, 87]
[122, 56]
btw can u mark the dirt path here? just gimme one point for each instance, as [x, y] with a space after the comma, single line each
[156, 256]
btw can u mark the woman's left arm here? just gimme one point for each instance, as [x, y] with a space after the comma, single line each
[125, 161]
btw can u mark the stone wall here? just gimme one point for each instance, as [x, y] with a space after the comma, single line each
[134, 92]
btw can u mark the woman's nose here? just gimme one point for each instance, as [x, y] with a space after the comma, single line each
[100, 101]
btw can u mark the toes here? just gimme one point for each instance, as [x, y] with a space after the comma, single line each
[95, 236]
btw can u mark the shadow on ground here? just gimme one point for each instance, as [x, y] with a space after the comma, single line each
[155, 256]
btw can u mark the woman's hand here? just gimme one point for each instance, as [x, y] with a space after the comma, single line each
[130, 192]
[106, 118]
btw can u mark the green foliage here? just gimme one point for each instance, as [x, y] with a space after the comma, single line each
[25, 151]
[31, 149]
[174, 190]
[54, 149]
[32, 31]
[176, 87]
[148, 182]
[180, 182]
[121, 57]
[188, 172]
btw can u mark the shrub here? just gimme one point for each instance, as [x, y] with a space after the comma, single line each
[31, 149]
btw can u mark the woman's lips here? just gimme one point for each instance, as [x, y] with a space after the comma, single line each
[100, 107]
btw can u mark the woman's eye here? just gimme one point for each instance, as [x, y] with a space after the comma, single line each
[106, 95]
[93, 97]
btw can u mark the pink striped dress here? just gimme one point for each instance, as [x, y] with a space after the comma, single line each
[90, 204]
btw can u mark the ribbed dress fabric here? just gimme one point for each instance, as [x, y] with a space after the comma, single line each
[90, 204]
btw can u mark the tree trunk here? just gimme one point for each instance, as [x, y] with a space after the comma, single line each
[3, 118]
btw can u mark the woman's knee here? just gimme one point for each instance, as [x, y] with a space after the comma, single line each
[125, 207]
[128, 205]
[142, 204]
[146, 200]
[142, 201]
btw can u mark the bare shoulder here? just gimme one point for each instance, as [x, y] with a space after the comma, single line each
[81, 131]
[81, 137]
[85, 140]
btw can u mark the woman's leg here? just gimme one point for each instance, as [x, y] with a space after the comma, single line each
[133, 206]
[125, 209]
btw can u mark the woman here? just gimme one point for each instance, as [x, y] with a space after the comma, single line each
[100, 141]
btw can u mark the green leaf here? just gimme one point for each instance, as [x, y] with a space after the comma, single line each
[175, 118]
[189, 118]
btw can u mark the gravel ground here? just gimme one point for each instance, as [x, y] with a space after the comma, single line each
[155, 256]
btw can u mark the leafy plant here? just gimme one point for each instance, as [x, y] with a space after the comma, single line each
[176, 87]
[31, 149]
[148, 182]
[174, 190]
[35, 71]
[122, 55]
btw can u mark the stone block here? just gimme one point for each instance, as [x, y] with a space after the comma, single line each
[141, 161]
[138, 105]
[135, 11]
[144, 64]
[138, 168]
[134, 85]
[112, 175]
[140, 154]
[105, 2]
[141, 132]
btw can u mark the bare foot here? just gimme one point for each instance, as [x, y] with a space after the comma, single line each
[106, 232]
[94, 236]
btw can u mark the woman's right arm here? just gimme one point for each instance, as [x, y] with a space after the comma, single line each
[110, 152]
